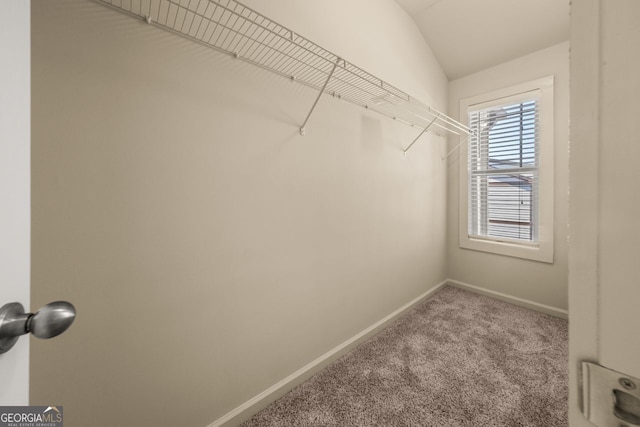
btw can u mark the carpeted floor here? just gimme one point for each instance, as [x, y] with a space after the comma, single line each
[457, 359]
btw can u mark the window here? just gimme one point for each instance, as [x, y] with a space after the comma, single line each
[507, 178]
[503, 171]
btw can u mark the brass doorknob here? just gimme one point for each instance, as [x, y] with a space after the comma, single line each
[48, 322]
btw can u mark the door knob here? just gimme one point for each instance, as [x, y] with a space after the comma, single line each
[48, 322]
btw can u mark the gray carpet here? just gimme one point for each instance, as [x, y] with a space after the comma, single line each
[457, 359]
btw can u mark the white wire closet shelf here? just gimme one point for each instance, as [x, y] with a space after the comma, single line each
[230, 27]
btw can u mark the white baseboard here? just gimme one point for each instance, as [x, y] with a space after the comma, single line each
[553, 311]
[260, 401]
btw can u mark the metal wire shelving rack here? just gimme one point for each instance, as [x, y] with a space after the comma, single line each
[235, 29]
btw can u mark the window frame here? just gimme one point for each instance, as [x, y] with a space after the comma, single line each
[542, 250]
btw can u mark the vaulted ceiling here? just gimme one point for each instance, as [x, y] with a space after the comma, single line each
[471, 35]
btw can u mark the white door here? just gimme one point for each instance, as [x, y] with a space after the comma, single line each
[604, 243]
[15, 150]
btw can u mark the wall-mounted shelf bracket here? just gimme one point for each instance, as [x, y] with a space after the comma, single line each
[421, 133]
[457, 146]
[324, 87]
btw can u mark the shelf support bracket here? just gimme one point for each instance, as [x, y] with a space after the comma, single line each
[456, 147]
[324, 86]
[421, 133]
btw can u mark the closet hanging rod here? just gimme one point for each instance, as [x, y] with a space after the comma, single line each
[230, 27]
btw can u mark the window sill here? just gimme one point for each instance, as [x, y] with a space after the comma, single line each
[542, 252]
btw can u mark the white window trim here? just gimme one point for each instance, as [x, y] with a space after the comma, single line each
[543, 250]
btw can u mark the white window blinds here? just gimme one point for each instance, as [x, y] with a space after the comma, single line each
[503, 172]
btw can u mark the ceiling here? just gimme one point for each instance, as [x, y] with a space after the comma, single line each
[471, 35]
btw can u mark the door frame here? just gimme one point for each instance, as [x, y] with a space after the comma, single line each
[15, 187]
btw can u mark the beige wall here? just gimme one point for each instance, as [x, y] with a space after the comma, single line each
[541, 283]
[605, 236]
[209, 248]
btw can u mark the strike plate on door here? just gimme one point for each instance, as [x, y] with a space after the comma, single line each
[610, 398]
